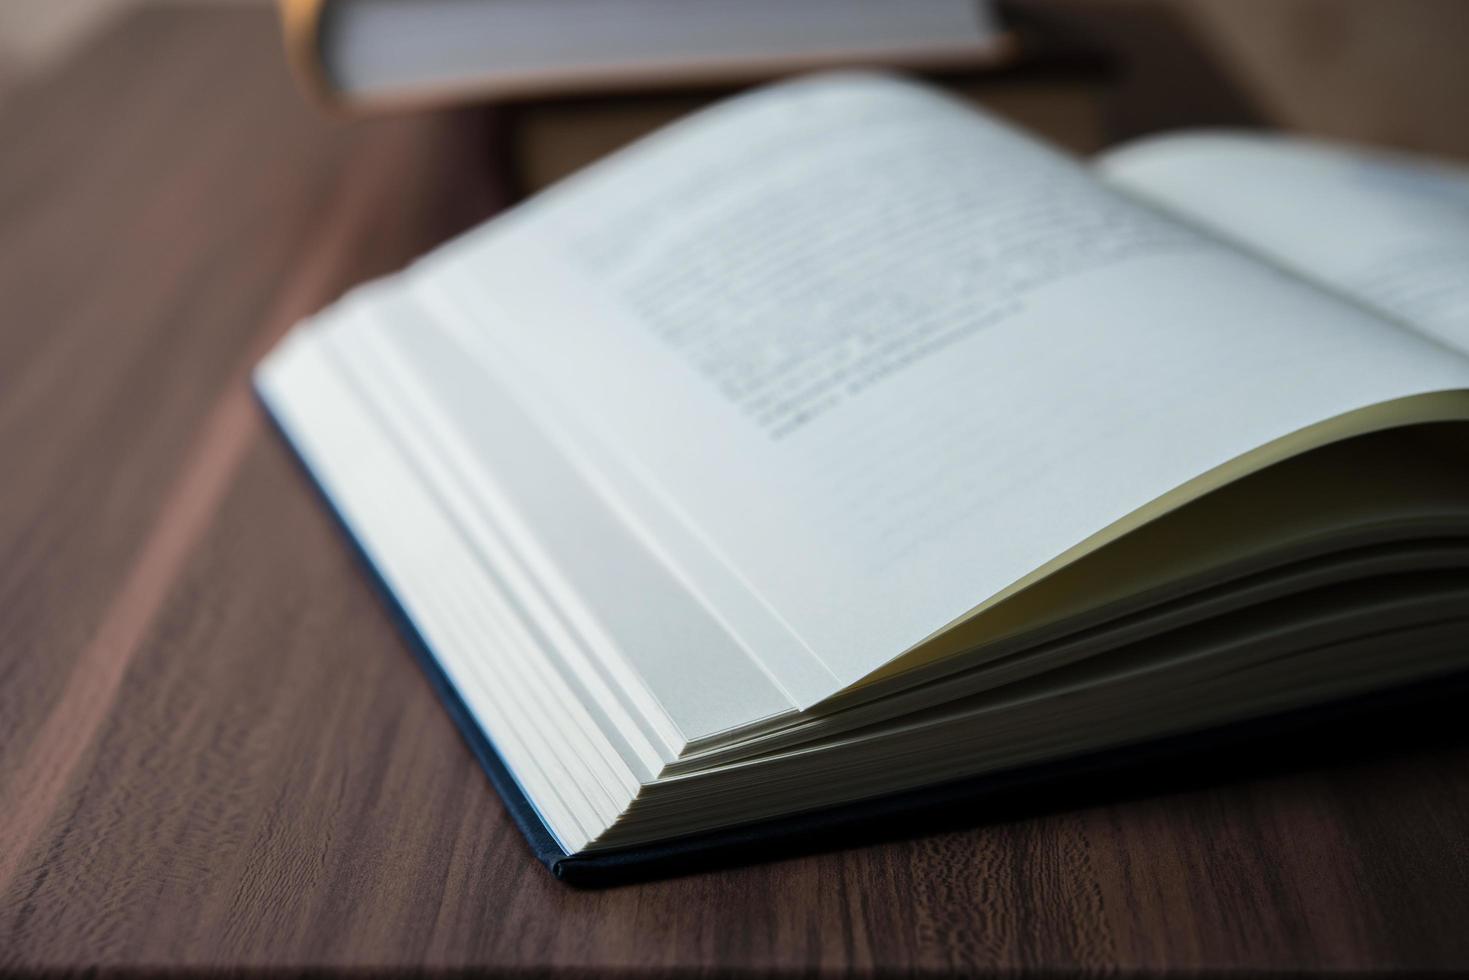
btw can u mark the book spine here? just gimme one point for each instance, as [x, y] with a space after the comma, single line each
[307, 32]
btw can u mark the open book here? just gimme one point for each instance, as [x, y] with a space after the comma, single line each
[839, 441]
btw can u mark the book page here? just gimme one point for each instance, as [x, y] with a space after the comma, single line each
[871, 359]
[1388, 230]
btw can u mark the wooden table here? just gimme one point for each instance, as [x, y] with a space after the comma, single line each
[216, 752]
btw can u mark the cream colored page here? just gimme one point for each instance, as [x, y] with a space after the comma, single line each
[1388, 230]
[882, 357]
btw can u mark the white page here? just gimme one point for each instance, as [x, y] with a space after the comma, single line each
[1388, 230]
[883, 358]
[615, 600]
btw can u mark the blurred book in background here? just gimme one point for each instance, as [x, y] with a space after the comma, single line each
[365, 54]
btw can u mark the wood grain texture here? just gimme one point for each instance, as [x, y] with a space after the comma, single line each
[215, 751]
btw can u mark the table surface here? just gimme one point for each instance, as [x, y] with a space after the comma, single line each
[216, 751]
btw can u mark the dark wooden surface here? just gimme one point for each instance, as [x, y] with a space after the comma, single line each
[216, 752]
